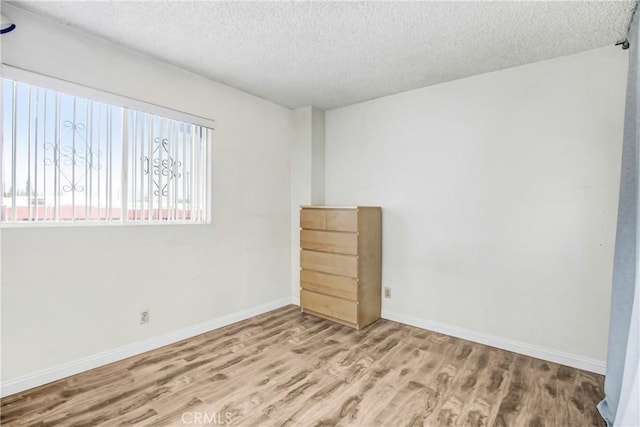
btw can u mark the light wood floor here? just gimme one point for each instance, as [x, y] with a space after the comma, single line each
[288, 368]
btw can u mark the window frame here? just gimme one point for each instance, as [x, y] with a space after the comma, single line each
[79, 90]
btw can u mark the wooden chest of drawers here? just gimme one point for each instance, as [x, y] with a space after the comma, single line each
[340, 263]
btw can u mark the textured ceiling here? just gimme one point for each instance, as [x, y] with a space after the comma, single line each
[331, 54]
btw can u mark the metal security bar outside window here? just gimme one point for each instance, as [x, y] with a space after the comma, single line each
[69, 159]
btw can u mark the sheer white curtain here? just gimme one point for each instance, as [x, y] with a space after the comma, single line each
[621, 406]
[628, 412]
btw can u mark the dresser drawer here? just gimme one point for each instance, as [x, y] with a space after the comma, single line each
[329, 241]
[345, 265]
[315, 219]
[329, 284]
[330, 306]
[342, 220]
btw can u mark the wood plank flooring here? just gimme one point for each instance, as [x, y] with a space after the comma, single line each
[285, 368]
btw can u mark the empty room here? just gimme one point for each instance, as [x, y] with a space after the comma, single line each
[319, 213]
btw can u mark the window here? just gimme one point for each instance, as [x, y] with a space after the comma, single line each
[70, 159]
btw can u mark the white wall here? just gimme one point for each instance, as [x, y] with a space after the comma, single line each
[307, 177]
[499, 196]
[72, 292]
[318, 149]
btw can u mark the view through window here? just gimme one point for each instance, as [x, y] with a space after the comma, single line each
[68, 159]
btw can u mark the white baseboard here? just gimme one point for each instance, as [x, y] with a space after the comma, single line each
[295, 299]
[96, 360]
[567, 359]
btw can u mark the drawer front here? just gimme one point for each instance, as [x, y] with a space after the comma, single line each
[328, 241]
[315, 219]
[330, 306]
[342, 219]
[337, 286]
[344, 265]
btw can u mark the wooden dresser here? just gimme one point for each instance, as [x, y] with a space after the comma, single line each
[340, 263]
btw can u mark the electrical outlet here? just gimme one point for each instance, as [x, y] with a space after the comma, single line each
[144, 317]
[387, 292]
